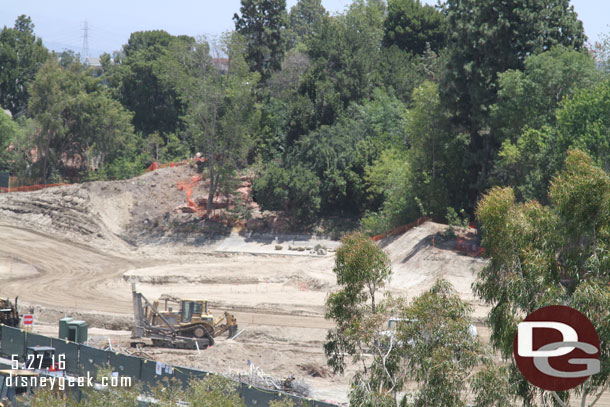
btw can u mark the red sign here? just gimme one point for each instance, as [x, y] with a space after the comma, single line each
[28, 319]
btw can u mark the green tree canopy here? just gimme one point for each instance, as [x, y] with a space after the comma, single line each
[438, 345]
[361, 268]
[584, 123]
[529, 97]
[304, 18]
[344, 54]
[9, 132]
[549, 255]
[529, 163]
[21, 55]
[425, 176]
[413, 26]
[263, 24]
[79, 121]
[486, 38]
[136, 81]
[338, 156]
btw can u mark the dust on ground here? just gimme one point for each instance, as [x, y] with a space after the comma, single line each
[75, 250]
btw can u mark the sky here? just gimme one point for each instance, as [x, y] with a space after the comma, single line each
[60, 23]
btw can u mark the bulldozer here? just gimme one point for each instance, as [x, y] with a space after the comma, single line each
[190, 326]
[8, 313]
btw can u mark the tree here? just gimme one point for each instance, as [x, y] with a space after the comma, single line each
[304, 18]
[9, 133]
[220, 105]
[413, 26]
[361, 268]
[436, 155]
[213, 391]
[262, 23]
[339, 155]
[425, 176]
[389, 180]
[530, 97]
[344, 54]
[438, 345]
[137, 81]
[359, 264]
[80, 125]
[486, 38]
[430, 341]
[601, 53]
[492, 386]
[548, 255]
[582, 121]
[529, 164]
[293, 189]
[21, 55]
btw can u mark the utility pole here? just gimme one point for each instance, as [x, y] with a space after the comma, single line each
[86, 41]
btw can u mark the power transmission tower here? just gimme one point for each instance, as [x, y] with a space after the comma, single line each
[86, 41]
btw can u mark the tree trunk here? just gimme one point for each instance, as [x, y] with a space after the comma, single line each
[259, 62]
[210, 205]
[46, 159]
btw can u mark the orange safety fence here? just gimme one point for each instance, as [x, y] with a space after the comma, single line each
[401, 229]
[187, 186]
[30, 188]
[155, 165]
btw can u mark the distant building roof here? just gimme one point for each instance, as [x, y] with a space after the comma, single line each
[92, 61]
[222, 64]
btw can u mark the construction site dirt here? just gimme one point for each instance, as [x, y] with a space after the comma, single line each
[75, 250]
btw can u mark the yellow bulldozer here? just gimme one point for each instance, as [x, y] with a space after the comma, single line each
[180, 323]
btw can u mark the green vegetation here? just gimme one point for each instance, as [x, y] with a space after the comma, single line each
[21, 55]
[413, 27]
[547, 255]
[213, 391]
[78, 120]
[381, 114]
[431, 342]
[263, 24]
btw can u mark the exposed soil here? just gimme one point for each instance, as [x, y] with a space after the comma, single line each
[74, 251]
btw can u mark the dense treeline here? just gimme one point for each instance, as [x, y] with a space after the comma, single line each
[385, 112]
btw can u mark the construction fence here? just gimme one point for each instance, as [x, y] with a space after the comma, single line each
[29, 188]
[401, 229]
[81, 359]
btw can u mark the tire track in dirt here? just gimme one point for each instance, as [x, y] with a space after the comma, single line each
[73, 276]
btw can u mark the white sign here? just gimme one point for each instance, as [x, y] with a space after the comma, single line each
[28, 319]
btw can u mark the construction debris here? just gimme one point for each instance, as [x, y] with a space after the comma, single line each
[256, 377]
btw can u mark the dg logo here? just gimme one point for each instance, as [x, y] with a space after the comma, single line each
[556, 348]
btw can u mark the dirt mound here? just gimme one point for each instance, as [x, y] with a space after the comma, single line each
[64, 209]
[131, 212]
[423, 254]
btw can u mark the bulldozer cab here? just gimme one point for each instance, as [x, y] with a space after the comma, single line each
[193, 310]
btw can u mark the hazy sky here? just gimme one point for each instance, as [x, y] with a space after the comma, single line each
[60, 22]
